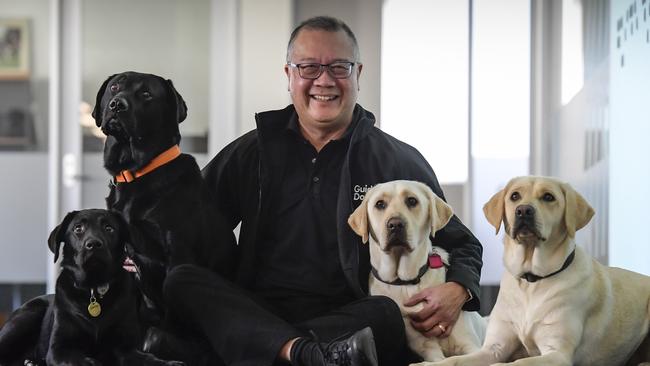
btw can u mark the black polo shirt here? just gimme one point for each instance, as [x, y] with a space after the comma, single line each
[299, 270]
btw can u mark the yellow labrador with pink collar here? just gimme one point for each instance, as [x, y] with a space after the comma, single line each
[557, 305]
[398, 218]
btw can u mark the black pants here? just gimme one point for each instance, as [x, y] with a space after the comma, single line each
[244, 332]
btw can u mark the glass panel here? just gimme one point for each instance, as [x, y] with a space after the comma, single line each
[24, 74]
[572, 49]
[424, 81]
[501, 79]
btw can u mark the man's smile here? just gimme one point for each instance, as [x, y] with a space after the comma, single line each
[323, 98]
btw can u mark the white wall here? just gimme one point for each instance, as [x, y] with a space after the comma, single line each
[265, 27]
[23, 217]
[629, 243]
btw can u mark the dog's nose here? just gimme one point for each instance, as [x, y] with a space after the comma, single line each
[395, 225]
[118, 104]
[93, 244]
[524, 211]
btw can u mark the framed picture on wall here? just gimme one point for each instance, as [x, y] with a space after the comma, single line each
[14, 49]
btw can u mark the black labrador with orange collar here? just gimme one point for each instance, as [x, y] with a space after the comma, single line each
[92, 319]
[157, 189]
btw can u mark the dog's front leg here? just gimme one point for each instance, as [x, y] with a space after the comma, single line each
[428, 349]
[69, 357]
[556, 344]
[480, 358]
[500, 344]
[68, 343]
[555, 358]
[64, 352]
[136, 357]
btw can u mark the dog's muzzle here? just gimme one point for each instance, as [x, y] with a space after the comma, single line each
[396, 229]
[95, 250]
[114, 127]
[525, 226]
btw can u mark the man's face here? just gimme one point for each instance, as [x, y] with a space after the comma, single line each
[324, 103]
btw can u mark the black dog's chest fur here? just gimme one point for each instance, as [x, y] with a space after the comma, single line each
[116, 326]
[170, 209]
[159, 205]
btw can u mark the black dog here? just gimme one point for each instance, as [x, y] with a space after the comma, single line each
[92, 318]
[157, 189]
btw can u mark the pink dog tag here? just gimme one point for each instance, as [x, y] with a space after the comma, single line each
[435, 261]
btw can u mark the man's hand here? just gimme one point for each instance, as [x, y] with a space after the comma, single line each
[442, 306]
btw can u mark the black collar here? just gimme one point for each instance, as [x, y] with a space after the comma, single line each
[530, 277]
[401, 282]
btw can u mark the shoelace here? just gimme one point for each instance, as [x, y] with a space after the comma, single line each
[335, 352]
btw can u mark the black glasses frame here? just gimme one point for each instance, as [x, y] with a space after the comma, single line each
[301, 66]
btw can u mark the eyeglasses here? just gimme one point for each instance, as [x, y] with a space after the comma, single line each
[337, 70]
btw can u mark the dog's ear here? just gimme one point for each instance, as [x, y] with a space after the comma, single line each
[358, 220]
[97, 111]
[577, 211]
[181, 107]
[439, 211]
[57, 235]
[494, 209]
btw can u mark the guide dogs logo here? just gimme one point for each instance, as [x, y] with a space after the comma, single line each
[359, 191]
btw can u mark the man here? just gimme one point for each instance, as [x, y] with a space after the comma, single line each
[302, 273]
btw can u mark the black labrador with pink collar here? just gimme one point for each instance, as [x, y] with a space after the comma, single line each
[157, 189]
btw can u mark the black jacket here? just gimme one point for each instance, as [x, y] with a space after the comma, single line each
[243, 176]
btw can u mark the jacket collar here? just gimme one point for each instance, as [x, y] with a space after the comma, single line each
[270, 123]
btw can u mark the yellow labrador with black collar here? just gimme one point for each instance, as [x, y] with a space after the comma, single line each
[398, 218]
[557, 305]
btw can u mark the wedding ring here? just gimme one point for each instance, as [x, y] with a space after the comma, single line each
[442, 328]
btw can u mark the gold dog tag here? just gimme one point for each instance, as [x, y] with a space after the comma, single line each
[94, 309]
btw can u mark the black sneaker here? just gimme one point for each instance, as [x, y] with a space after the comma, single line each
[356, 350]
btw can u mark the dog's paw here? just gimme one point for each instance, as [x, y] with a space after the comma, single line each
[89, 361]
[175, 363]
[437, 363]
[410, 310]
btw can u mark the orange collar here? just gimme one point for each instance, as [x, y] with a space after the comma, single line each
[125, 176]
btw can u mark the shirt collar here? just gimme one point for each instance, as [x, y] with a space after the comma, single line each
[293, 125]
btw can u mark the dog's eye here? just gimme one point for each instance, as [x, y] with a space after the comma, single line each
[411, 202]
[548, 197]
[515, 196]
[109, 228]
[115, 88]
[146, 95]
[78, 229]
[381, 204]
